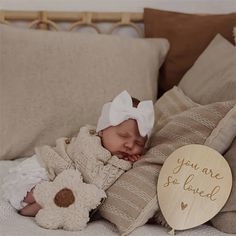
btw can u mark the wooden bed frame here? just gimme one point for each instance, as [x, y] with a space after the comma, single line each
[50, 20]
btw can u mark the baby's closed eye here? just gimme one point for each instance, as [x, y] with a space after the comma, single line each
[141, 144]
[123, 135]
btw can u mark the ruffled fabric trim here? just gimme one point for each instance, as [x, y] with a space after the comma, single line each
[21, 179]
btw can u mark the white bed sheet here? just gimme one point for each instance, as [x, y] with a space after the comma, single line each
[12, 224]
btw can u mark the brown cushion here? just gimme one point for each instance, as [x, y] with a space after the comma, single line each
[235, 34]
[188, 34]
[52, 83]
[132, 199]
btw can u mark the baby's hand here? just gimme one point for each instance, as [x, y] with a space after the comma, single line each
[132, 158]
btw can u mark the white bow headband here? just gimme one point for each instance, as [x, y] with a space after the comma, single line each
[121, 109]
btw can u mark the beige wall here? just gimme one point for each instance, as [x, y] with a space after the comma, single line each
[199, 6]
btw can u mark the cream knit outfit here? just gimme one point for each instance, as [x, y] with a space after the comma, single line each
[83, 152]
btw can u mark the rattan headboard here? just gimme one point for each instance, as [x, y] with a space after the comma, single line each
[49, 20]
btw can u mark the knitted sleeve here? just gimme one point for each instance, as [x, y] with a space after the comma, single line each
[54, 159]
[95, 163]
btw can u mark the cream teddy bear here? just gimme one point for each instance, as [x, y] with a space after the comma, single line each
[66, 201]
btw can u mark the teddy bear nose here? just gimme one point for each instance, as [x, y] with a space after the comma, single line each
[64, 198]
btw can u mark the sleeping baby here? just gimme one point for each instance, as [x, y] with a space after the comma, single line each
[101, 154]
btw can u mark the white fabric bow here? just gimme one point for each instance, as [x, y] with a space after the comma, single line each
[121, 109]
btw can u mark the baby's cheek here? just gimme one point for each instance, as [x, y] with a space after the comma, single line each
[140, 150]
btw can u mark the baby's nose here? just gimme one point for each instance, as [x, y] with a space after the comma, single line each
[129, 144]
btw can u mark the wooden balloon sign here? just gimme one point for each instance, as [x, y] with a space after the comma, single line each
[194, 184]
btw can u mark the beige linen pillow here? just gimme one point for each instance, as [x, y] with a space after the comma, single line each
[226, 219]
[52, 83]
[224, 133]
[212, 78]
[171, 103]
[132, 198]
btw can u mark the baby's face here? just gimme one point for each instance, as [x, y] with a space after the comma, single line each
[124, 140]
